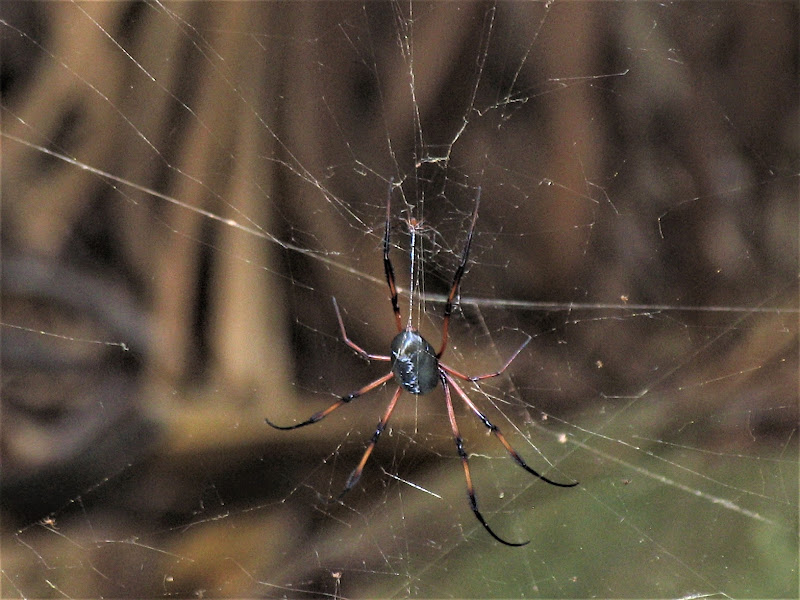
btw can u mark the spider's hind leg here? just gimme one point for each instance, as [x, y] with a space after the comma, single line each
[318, 416]
[499, 435]
[473, 501]
[352, 480]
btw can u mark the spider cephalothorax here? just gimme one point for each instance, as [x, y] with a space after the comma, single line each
[414, 362]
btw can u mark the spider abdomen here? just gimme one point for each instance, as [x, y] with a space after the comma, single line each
[414, 362]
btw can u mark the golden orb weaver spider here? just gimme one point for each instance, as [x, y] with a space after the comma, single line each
[417, 369]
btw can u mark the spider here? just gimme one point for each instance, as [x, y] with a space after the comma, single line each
[417, 369]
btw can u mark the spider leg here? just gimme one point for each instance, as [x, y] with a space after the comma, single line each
[473, 502]
[356, 474]
[498, 434]
[448, 307]
[488, 375]
[343, 400]
[351, 343]
[387, 263]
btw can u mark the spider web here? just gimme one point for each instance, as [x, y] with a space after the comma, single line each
[187, 185]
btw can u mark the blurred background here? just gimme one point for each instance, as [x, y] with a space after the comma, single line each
[185, 186]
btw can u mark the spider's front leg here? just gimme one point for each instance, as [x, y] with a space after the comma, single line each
[387, 262]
